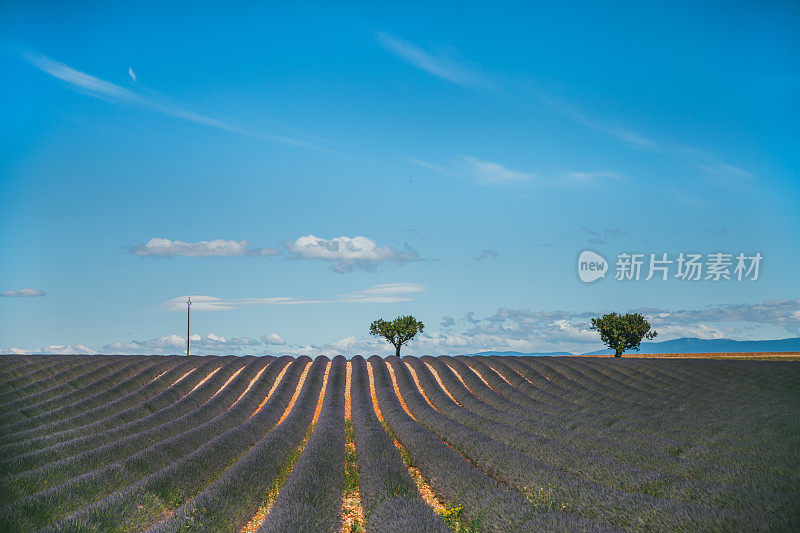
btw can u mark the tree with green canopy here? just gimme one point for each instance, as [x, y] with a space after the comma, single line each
[623, 332]
[398, 332]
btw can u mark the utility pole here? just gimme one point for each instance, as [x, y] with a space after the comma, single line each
[188, 310]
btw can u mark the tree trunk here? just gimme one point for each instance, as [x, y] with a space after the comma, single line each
[618, 353]
[397, 350]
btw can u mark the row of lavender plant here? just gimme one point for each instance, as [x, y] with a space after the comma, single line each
[30, 369]
[113, 467]
[561, 489]
[75, 399]
[723, 411]
[565, 454]
[84, 455]
[587, 422]
[486, 504]
[716, 418]
[162, 407]
[232, 500]
[311, 498]
[52, 384]
[661, 411]
[137, 506]
[143, 387]
[592, 433]
[389, 497]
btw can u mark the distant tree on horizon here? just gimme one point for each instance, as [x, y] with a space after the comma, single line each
[623, 332]
[398, 332]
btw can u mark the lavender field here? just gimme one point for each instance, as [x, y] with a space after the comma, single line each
[173, 443]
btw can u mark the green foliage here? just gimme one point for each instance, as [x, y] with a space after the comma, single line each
[351, 473]
[622, 332]
[454, 519]
[545, 499]
[398, 332]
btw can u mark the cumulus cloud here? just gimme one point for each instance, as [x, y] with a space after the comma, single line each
[176, 344]
[159, 247]
[273, 339]
[346, 254]
[530, 331]
[781, 313]
[57, 349]
[22, 292]
[385, 293]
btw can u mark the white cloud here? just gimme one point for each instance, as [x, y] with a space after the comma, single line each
[780, 313]
[440, 63]
[346, 254]
[273, 339]
[131, 73]
[158, 247]
[511, 329]
[700, 331]
[57, 349]
[22, 292]
[176, 344]
[386, 293]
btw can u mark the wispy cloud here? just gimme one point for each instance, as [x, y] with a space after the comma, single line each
[385, 293]
[492, 173]
[447, 65]
[158, 247]
[22, 292]
[587, 177]
[131, 73]
[114, 93]
[621, 133]
[439, 62]
[110, 92]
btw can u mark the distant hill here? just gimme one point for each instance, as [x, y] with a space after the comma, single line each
[685, 345]
[521, 354]
[693, 345]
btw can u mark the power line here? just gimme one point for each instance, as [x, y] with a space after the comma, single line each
[188, 310]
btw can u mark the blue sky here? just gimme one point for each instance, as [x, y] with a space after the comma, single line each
[303, 169]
